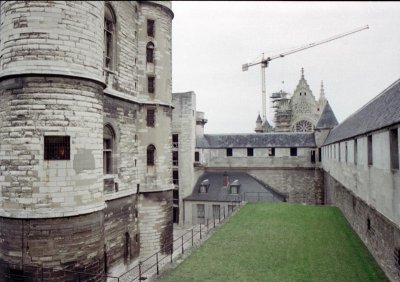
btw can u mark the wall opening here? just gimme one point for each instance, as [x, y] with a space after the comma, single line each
[394, 148]
[369, 148]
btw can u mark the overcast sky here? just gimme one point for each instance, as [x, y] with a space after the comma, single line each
[211, 41]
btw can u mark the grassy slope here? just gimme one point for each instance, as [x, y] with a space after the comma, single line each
[281, 242]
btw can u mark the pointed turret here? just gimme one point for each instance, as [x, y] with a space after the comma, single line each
[328, 119]
[322, 98]
[259, 127]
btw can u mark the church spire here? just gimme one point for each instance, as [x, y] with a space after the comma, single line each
[302, 73]
[322, 92]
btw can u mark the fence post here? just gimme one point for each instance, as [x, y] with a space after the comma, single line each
[207, 224]
[192, 237]
[214, 221]
[42, 273]
[140, 270]
[219, 217]
[200, 231]
[158, 272]
[224, 211]
[182, 245]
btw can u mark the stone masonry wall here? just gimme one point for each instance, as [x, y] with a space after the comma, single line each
[155, 222]
[73, 243]
[53, 37]
[121, 233]
[382, 238]
[299, 185]
[34, 107]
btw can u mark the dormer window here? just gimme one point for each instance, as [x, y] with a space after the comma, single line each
[234, 187]
[204, 185]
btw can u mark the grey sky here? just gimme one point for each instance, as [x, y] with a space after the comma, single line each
[211, 41]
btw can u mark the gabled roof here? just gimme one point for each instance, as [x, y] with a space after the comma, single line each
[257, 140]
[219, 193]
[382, 111]
[328, 118]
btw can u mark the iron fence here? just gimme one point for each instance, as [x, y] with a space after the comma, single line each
[144, 269]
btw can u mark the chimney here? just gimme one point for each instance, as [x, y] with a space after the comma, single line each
[226, 179]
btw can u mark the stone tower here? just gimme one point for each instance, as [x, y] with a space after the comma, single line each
[85, 126]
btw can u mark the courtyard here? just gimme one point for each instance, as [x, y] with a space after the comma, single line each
[281, 242]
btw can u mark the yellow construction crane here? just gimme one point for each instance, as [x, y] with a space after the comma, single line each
[265, 61]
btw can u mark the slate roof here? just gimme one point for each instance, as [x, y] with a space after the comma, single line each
[219, 193]
[328, 118]
[257, 140]
[382, 111]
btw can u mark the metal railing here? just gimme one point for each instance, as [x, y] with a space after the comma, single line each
[152, 265]
[145, 268]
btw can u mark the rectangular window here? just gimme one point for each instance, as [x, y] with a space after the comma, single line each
[196, 156]
[345, 152]
[313, 156]
[250, 152]
[150, 117]
[369, 147]
[56, 148]
[108, 42]
[293, 152]
[175, 141]
[200, 214]
[271, 152]
[216, 211]
[151, 84]
[150, 28]
[175, 160]
[394, 148]
[175, 177]
[229, 152]
[355, 151]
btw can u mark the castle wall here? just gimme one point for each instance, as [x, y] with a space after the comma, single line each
[35, 107]
[155, 222]
[382, 238]
[59, 37]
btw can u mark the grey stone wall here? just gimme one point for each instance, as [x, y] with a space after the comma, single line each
[382, 238]
[34, 107]
[65, 242]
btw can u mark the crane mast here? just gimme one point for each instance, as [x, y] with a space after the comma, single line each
[265, 61]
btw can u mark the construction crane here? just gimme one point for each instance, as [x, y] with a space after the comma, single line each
[265, 61]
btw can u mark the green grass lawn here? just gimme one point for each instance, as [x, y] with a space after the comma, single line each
[281, 242]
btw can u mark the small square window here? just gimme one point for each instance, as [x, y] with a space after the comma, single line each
[229, 152]
[150, 28]
[56, 148]
[293, 152]
[250, 152]
[271, 152]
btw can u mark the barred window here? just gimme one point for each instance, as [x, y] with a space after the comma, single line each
[150, 154]
[150, 52]
[56, 147]
[150, 117]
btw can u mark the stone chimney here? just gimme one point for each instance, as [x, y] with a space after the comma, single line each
[226, 179]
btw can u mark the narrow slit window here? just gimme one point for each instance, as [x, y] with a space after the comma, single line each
[150, 28]
[108, 148]
[151, 155]
[150, 52]
[293, 152]
[196, 156]
[151, 84]
[271, 152]
[56, 148]
[369, 147]
[250, 152]
[355, 151]
[394, 148]
[229, 152]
